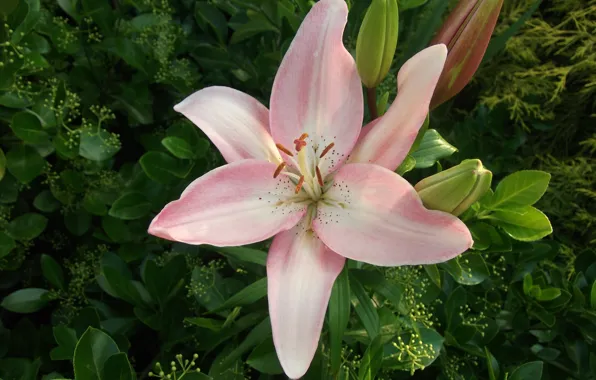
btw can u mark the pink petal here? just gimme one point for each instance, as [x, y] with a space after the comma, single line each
[379, 219]
[317, 88]
[236, 204]
[234, 121]
[300, 275]
[388, 143]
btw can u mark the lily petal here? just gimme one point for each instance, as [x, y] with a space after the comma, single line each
[379, 219]
[300, 274]
[388, 143]
[236, 204]
[317, 89]
[235, 122]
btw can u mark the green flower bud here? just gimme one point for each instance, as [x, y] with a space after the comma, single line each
[466, 33]
[377, 41]
[454, 190]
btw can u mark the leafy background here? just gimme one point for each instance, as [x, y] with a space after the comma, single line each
[91, 150]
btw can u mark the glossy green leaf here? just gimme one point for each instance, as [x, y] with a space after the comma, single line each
[264, 359]
[365, 309]
[91, 353]
[178, 147]
[523, 188]
[250, 29]
[549, 294]
[24, 301]
[31, 19]
[2, 164]
[433, 147]
[249, 255]
[46, 202]
[77, 221]
[27, 127]
[256, 336]
[250, 294]
[339, 316]
[7, 244]
[208, 15]
[118, 367]
[52, 271]
[492, 365]
[593, 296]
[97, 145]
[531, 370]
[67, 341]
[163, 282]
[24, 163]
[163, 168]
[208, 323]
[130, 206]
[371, 360]
[526, 224]
[27, 226]
[408, 164]
[127, 50]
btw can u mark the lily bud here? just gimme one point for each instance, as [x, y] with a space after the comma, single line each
[454, 190]
[466, 32]
[377, 41]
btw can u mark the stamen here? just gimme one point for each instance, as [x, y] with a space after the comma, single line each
[284, 149]
[319, 176]
[300, 183]
[280, 167]
[300, 143]
[327, 149]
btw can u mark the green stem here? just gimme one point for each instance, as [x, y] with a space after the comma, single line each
[371, 100]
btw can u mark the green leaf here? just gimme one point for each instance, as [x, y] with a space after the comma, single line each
[264, 359]
[433, 273]
[208, 323]
[27, 25]
[432, 148]
[256, 336]
[497, 44]
[549, 294]
[469, 269]
[407, 4]
[70, 8]
[127, 50]
[163, 168]
[249, 255]
[101, 13]
[28, 128]
[52, 271]
[2, 164]
[593, 296]
[163, 282]
[492, 365]
[523, 188]
[24, 301]
[528, 283]
[531, 370]
[207, 14]
[407, 165]
[46, 202]
[178, 147]
[116, 229]
[25, 163]
[7, 244]
[250, 294]
[27, 226]
[67, 341]
[339, 316]
[252, 28]
[77, 221]
[97, 146]
[130, 206]
[372, 359]
[365, 308]
[94, 203]
[118, 367]
[91, 353]
[526, 224]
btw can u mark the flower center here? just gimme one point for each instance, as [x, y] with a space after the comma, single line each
[302, 167]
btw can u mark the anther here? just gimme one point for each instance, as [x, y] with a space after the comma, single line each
[300, 143]
[280, 167]
[300, 183]
[319, 176]
[284, 149]
[327, 149]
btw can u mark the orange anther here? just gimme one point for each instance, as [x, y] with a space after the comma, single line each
[319, 176]
[300, 143]
[303, 136]
[299, 185]
[284, 149]
[327, 149]
[280, 167]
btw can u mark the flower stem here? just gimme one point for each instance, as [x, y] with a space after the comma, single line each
[371, 100]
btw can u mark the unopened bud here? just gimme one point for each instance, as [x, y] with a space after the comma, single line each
[454, 190]
[466, 32]
[377, 41]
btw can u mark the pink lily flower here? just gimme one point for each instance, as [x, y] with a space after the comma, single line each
[300, 172]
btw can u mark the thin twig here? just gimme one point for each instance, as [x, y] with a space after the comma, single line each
[371, 100]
